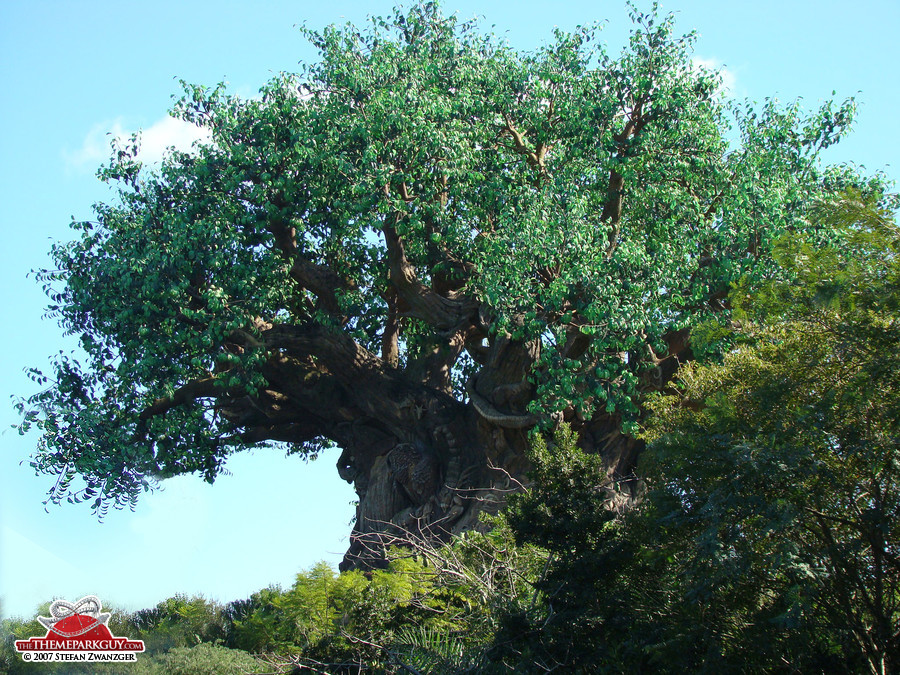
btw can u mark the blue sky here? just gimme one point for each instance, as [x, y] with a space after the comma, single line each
[72, 71]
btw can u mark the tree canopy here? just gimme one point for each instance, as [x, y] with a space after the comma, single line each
[418, 248]
[781, 463]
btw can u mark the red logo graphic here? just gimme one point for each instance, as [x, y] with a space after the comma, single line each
[78, 632]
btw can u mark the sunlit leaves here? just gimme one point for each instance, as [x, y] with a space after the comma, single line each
[567, 192]
[781, 463]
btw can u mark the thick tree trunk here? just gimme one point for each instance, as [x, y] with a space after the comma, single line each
[434, 476]
[431, 479]
[423, 462]
[449, 467]
[451, 461]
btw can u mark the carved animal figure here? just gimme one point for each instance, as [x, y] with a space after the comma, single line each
[416, 471]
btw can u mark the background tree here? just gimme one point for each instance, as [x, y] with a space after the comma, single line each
[778, 469]
[179, 621]
[417, 249]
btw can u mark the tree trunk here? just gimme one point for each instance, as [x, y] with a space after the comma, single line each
[423, 462]
[435, 478]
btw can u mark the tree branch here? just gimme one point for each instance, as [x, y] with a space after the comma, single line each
[202, 388]
[320, 280]
[612, 210]
[484, 408]
[390, 348]
[443, 313]
[535, 158]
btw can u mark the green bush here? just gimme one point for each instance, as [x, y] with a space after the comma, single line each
[202, 659]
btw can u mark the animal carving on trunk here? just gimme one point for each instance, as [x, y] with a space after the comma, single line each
[415, 471]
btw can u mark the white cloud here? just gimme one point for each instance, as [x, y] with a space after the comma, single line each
[155, 141]
[728, 87]
[169, 132]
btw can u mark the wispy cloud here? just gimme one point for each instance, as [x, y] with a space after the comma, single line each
[728, 87]
[156, 140]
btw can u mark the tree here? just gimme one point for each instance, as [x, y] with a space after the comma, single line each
[417, 249]
[777, 470]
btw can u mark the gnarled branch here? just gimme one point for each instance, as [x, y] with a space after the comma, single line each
[445, 313]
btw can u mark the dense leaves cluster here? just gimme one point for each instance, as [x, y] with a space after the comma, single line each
[429, 195]
[441, 213]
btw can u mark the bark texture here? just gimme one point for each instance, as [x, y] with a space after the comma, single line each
[420, 460]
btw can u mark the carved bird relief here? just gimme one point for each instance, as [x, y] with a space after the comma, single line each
[416, 470]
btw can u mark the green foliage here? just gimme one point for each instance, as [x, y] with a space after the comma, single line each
[428, 649]
[312, 617]
[17, 628]
[777, 470]
[465, 591]
[589, 608]
[201, 659]
[565, 505]
[568, 192]
[434, 604]
[179, 621]
[327, 617]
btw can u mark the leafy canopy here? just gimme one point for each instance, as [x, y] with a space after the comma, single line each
[420, 187]
[779, 469]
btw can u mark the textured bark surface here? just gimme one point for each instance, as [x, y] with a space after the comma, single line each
[436, 477]
[420, 460]
[441, 463]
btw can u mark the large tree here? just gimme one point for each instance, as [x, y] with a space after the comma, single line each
[777, 472]
[418, 248]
